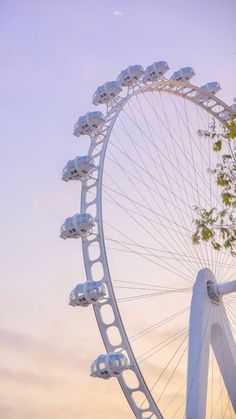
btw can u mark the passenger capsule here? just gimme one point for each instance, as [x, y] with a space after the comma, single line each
[226, 115]
[107, 92]
[155, 71]
[110, 365]
[130, 75]
[80, 168]
[80, 225]
[88, 123]
[184, 74]
[88, 293]
[211, 87]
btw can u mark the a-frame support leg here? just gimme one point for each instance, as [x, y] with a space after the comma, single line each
[208, 325]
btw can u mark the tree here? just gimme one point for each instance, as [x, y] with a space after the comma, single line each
[213, 226]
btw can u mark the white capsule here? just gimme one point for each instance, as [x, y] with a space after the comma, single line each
[109, 365]
[107, 92]
[155, 71]
[88, 123]
[212, 87]
[130, 75]
[226, 115]
[79, 225]
[80, 168]
[183, 75]
[88, 293]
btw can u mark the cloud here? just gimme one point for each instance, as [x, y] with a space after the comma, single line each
[14, 339]
[43, 349]
[26, 377]
[47, 377]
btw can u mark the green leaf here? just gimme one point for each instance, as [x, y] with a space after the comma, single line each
[217, 146]
[216, 245]
[226, 198]
[196, 238]
[207, 234]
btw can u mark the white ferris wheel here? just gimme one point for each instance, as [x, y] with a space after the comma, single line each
[164, 307]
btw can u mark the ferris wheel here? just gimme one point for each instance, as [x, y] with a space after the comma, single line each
[165, 308]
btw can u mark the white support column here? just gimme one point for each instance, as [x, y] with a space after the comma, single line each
[209, 325]
[224, 348]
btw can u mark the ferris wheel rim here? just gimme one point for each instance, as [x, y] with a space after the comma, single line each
[186, 91]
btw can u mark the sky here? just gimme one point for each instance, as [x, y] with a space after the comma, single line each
[53, 56]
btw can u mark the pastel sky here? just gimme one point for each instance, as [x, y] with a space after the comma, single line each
[53, 56]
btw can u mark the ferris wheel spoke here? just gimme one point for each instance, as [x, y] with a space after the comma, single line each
[166, 174]
[152, 289]
[191, 140]
[154, 350]
[148, 232]
[178, 170]
[144, 296]
[191, 153]
[149, 252]
[225, 259]
[156, 180]
[157, 325]
[136, 203]
[164, 344]
[145, 284]
[174, 370]
[150, 260]
[232, 317]
[211, 194]
[174, 397]
[188, 124]
[115, 201]
[168, 123]
[159, 256]
[166, 266]
[182, 146]
[171, 193]
[184, 257]
[189, 160]
[168, 364]
[181, 170]
[184, 170]
[161, 252]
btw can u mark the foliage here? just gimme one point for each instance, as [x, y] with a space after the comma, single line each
[219, 227]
